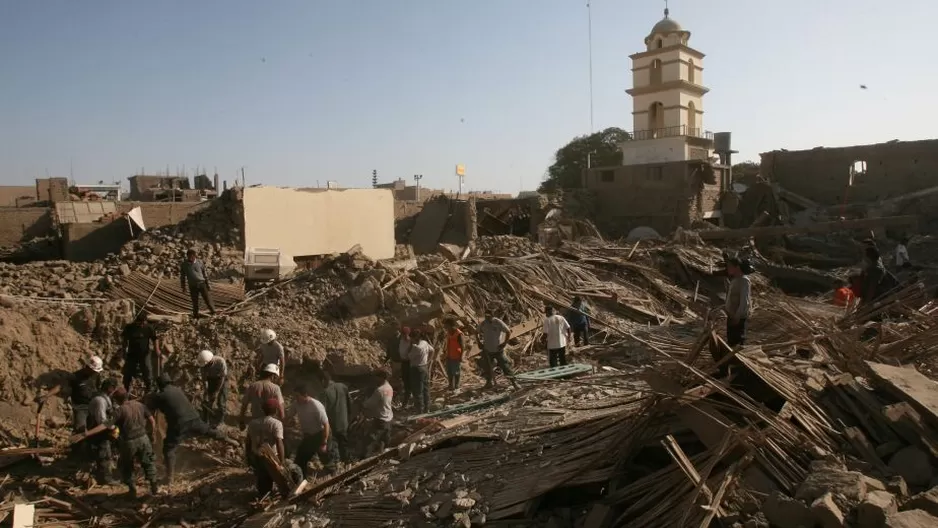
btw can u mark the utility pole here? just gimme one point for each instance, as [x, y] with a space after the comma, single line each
[243, 183]
[374, 179]
[589, 20]
[417, 178]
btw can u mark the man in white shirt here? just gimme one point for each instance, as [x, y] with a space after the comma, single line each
[379, 412]
[556, 333]
[314, 424]
[420, 352]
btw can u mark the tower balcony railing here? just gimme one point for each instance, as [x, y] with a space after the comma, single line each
[672, 131]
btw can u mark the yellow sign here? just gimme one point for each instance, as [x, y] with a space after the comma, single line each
[460, 170]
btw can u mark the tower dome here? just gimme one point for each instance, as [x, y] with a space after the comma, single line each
[667, 26]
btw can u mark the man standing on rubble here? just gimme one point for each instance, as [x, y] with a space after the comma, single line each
[314, 424]
[337, 401]
[97, 442]
[738, 302]
[420, 353]
[260, 391]
[270, 352]
[399, 355]
[455, 347]
[135, 347]
[556, 334]
[192, 271]
[379, 412]
[214, 373]
[83, 385]
[489, 335]
[578, 317]
[182, 422]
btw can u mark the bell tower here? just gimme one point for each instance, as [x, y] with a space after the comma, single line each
[667, 99]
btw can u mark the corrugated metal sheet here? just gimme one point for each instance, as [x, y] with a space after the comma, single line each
[83, 212]
[169, 298]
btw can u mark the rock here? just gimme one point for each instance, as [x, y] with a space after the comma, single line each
[783, 511]
[914, 465]
[826, 512]
[911, 519]
[897, 486]
[478, 519]
[364, 299]
[463, 503]
[124, 269]
[873, 484]
[926, 501]
[875, 508]
[848, 487]
[445, 510]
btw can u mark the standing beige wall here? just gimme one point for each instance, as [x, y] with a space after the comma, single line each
[319, 221]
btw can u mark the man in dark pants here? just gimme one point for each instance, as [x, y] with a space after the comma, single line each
[193, 271]
[578, 317]
[420, 354]
[738, 304]
[490, 333]
[335, 398]
[83, 385]
[182, 422]
[399, 355]
[556, 335]
[215, 376]
[98, 442]
[314, 424]
[135, 345]
[379, 411]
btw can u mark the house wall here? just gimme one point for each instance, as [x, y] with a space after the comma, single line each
[51, 189]
[663, 150]
[823, 174]
[93, 241]
[161, 214]
[20, 223]
[320, 222]
[10, 194]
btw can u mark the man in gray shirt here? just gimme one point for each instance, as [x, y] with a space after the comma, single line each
[493, 348]
[738, 304]
[192, 270]
[270, 352]
[215, 376]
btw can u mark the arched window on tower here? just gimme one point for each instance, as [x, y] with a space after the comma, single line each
[691, 120]
[656, 119]
[691, 71]
[655, 72]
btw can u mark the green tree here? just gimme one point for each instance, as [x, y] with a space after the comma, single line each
[744, 169]
[570, 160]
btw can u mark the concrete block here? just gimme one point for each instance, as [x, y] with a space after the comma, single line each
[873, 511]
[826, 513]
[911, 519]
[926, 501]
[783, 511]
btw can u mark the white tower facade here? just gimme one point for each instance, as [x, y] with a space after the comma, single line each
[667, 99]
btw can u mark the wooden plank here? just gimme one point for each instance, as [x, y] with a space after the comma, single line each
[821, 227]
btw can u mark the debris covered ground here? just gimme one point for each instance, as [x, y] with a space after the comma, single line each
[816, 422]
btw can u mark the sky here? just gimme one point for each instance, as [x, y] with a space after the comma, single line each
[301, 92]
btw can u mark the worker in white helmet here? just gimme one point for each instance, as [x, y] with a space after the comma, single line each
[262, 390]
[214, 371]
[270, 352]
[83, 385]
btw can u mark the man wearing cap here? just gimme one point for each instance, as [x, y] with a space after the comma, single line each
[83, 385]
[135, 347]
[268, 430]
[260, 391]
[214, 371]
[490, 334]
[192, 270]
[270, 352]
[182, 421]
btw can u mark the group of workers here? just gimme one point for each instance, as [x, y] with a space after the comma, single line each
[104, 413]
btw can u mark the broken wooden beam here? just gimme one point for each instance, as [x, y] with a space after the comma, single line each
[821, 227]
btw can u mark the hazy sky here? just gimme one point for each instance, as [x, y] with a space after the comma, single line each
[305, 91]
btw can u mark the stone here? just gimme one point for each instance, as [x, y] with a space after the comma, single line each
[124, 269]
[926, 501]
[848, 486]
[445, 510]
[875, 508]
[826, 512]
[478, 519]
[897, 486]
[911, 519]
[783, 511]
[914, 465]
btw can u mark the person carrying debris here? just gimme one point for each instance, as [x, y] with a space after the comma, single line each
[314, 424]
[455, 346]
[490, 340]
[182, 421]
[135, 348]
[267, 430]
[556, 334]
[379, 412]
[192, 270]
[738, 302]
[419, 355]
[260, 391]
[578, 317]
[398, 354]
[337, 401]
[270, 352]
[214, 371]
[83, 385]
[99, 445]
